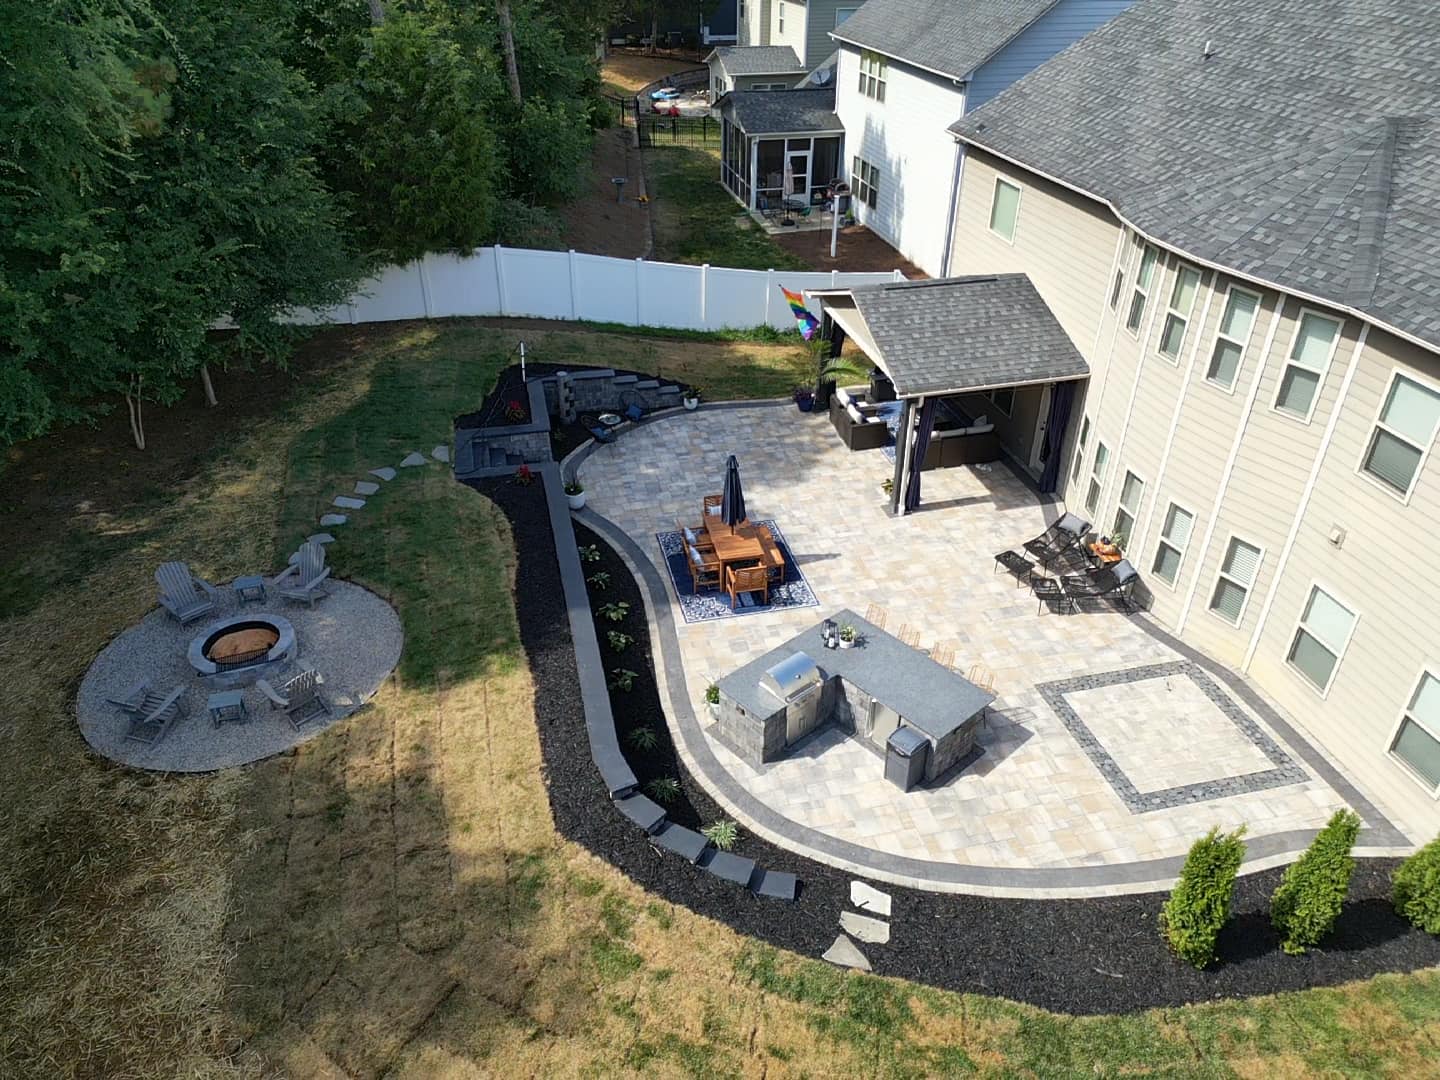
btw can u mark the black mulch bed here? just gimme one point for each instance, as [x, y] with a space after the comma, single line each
[1089, 956]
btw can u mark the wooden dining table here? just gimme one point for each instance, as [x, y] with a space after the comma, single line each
[741, 544]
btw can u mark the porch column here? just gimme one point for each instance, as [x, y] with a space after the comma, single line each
[902, 455]
[834, 333]
[754, 164]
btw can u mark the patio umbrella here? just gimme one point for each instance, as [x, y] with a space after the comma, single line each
[732, 496]
[789, 190]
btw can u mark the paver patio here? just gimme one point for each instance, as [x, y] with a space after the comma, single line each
[1094, 756]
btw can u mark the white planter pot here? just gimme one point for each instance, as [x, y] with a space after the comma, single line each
[714, 707]
[847, 644]
[577, 502]
[691, 403]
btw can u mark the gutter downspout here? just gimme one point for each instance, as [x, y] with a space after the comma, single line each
[957, 175]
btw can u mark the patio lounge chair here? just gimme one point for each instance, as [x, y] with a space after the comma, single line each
[1059, 538]
[304, 579]
[633, 413]
[598, 431]
[185, 596]
[138, 700]
[151, 723]
[1109, 582]
[750, 579]
[299, 697]
[704, 568]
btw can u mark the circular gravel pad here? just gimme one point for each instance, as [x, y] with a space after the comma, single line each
[352, 637]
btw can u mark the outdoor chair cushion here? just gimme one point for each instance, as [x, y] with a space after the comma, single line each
[713, 511]
[842, 395]
[854, 414]
[690, 537]
[1073, 524]
[633, 413]
[695, 557]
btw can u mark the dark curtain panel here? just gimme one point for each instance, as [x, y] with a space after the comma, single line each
[917, 455]
[1061, 398]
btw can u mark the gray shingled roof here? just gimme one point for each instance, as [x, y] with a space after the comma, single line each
[965, 333]
[769, 112]
[1304, 153]
[759, 60]
[953, 37]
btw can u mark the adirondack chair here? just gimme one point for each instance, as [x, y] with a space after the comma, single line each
[150, 725]
[185, 596]
[299, 697]
[138, 700]
[304, 578]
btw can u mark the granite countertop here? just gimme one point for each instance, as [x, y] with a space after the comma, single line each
[927, 695]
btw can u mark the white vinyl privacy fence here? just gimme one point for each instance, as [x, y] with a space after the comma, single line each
[569, 285]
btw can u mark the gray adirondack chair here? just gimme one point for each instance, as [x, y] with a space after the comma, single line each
[299, 697]
[150, 724]
[304, 578]
[185, 596]
[138, 700]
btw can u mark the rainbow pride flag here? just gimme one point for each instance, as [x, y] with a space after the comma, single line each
[808, 323]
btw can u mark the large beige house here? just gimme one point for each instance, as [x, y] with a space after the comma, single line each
[1233, 210]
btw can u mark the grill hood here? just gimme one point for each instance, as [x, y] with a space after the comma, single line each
[792, 678]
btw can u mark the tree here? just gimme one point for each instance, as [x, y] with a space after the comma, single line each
[507, 45]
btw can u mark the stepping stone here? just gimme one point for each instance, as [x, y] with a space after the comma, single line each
[731, 868]
[644, 812]
[845, 953]
[345, 502]
[441, 453]
[875, 931]
[333, 519]
[366, 487]
[411, 460]
[776, 884]
[385, 472]
[687, 843]
[320, 538]
[869, 899]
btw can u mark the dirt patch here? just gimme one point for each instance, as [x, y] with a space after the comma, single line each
[858, 249]
[596, 221]
[627, 70]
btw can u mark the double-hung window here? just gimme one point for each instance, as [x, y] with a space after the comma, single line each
[1320, 638]
[1174, 539]
[1417, 740]
[1004, 209]
[1232, 337]
[1080, 450]
[1177, 316]
[1097, 477]
[1144, 276]
[780, 19]
[1316, 336]
[872, 75]
[1117, 288]
[1237, 578]
[866, 180]
[1403, 433]
[1131, 492]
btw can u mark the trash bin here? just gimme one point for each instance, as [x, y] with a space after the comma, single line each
[906, 754]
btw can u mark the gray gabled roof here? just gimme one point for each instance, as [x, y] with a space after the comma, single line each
[965, 333]
[951, 37]
[772, 112]
[758, 60]
[1303, 153]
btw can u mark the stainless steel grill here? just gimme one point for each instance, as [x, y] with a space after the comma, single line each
[796, 682]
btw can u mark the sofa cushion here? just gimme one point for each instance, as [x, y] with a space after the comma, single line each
[854, 414]
[842, 395]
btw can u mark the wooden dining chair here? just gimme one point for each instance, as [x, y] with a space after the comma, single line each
[746, 580]
[944, 654]
[704, 567]
[711, 505]
[876, 616]
[909, 635]
[774, 558]
[694, 535]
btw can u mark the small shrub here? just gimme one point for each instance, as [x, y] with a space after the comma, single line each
[574, 487]
[712, 694]
[523, 476]
[622, 679]
[665, 789]
[619, 641]
[722, 833]
[514, 411]
[590, 553]
[1416, 888]
[1308, 901]
[1200, 905]
[599, 581]
[643, 738]
[615, 612]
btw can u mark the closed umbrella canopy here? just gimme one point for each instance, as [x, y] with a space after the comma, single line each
[732, 496]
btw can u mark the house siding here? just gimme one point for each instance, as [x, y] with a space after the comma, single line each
[795, 15]
[905, 137]
[1060, 27]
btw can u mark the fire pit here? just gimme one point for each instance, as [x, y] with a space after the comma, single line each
[238, 650]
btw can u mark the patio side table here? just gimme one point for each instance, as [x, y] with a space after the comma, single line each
[250, 590]
[227, 707]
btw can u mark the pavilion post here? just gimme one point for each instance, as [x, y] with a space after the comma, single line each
[902, 455]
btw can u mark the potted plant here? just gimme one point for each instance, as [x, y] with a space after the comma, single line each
[575, 495]
[690, 398]
[804, 398]
[847, 636]
[712, 700]
[887, 486]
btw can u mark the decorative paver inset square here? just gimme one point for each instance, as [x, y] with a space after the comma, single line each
[1164, 735]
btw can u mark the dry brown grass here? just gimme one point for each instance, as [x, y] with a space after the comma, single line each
[629, 71]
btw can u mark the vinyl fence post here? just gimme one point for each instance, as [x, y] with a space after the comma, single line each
[423, 267]
[769, 288]
[704, 296]
[574, 288]
[500, 279]
[637, 292]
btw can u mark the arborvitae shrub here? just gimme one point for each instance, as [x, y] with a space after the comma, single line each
[1200, 905]
[1308, 901]
[1416, 888]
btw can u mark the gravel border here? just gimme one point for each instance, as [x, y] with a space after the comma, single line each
[1090, 956]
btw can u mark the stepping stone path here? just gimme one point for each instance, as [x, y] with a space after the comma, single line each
[333, 519]
[385, 472]
[875, 931]
[366, 487]
[412, 460]
[845, 953]
[320, 538]
[869, 899]
[441, 453]
[345, 502]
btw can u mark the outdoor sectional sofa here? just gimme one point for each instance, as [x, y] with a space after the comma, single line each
[956, 440]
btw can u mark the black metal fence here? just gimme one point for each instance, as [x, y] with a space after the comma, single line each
[656, 130]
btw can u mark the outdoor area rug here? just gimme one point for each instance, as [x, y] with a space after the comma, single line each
[714, 604]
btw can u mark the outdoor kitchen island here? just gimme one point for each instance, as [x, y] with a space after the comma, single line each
[918, 714]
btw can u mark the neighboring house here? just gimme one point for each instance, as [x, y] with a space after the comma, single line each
[1232, 208]
[804, 26]
[910, 68]
[763, 67]
[764, 135]
[720, 26]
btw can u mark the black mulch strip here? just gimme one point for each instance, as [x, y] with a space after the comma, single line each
[1091, 956]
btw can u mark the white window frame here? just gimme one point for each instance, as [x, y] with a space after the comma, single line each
[1143, 290]
[838, 20]
[1080, 449]
[1323, 371]
[780, 17]
[874, 73]
[1134, 514]
[1117, 288]
[1244, 345]
[1431, 670]
[1172, 311]
[1249, 589]
[1015, 225]
[865, 182]
[1377, 423]
[1182, 552]
[1098, 479]
[1299, 625]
